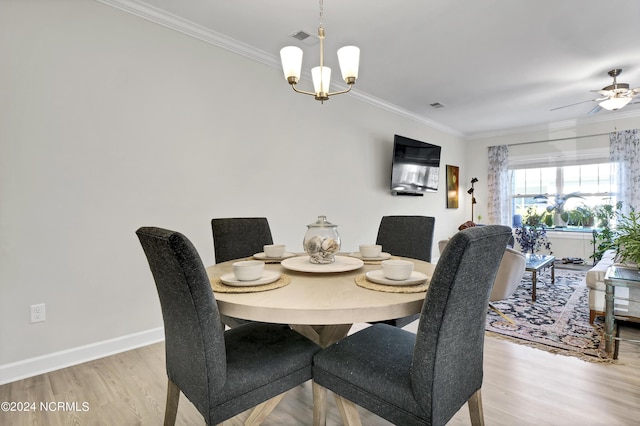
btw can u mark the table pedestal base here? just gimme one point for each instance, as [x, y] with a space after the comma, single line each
[348, 410]
[323, 335]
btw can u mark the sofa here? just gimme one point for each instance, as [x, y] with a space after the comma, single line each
[595, 282]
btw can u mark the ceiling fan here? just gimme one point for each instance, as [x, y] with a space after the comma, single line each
[614, 96]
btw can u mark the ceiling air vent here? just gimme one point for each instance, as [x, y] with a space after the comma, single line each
[300, 35]
[305, 38]
[437, 105]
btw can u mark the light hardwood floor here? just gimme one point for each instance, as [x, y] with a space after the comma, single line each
[522, 386]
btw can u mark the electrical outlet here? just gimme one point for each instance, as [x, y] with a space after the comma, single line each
[38, 313]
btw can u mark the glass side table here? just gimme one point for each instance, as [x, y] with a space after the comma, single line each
[536, 263]
[616, 276]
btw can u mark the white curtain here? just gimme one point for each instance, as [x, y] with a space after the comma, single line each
[624, 150]
[499, 185]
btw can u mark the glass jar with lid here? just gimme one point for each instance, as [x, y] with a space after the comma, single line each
[322, 241]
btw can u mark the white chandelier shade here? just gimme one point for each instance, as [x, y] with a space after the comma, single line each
[291, 57]
[321, 80]
[349, 59]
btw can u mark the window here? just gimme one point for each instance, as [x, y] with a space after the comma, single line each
[593, 182]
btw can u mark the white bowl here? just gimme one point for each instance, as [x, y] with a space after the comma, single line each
[274, 250]
[370, 250]
[397, 269]
[248, 270]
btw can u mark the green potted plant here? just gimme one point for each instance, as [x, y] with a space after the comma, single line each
[580, 216]
[556, 207]
[628, 238]
[604, 237]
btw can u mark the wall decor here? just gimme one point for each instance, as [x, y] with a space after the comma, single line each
[452, 186]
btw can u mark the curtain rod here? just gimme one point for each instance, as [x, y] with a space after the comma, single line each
[559, 139]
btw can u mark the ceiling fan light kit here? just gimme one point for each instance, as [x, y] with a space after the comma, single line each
[615, 103]
[348, 57]
[615, 96]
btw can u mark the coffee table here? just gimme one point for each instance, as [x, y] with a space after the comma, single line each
[536, 263]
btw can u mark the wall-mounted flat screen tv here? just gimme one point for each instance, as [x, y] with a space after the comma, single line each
[415, 167]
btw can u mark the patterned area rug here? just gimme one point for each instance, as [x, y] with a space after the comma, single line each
[557, 322]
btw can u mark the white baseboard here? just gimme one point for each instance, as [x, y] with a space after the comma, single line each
[54, 361]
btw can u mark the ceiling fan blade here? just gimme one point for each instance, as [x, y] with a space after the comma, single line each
[596, 109]
[577, 103]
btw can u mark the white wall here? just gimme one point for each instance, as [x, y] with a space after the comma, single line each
[110, 122]
[572, 244]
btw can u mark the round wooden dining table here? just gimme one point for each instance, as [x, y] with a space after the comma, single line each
[320, 305]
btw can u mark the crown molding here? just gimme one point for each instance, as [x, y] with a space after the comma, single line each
[191, 29]
[176, 23]
[612, 116]
[377, 102]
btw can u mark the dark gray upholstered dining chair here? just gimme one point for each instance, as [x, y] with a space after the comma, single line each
[221, 373]
[409, 236]
[235, 238]
[424, 378]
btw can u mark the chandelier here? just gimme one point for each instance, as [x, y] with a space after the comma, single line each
[348, 57]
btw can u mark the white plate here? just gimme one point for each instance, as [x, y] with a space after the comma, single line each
[383, 256]
[263, 256]
[341, 264]
[267, 277]
[377, 276]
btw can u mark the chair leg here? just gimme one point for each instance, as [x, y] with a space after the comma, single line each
[348, 411]
[171, 410]
[319, 404]
[502, 314]
[261, 411]
[593, 314]
[475, 409]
